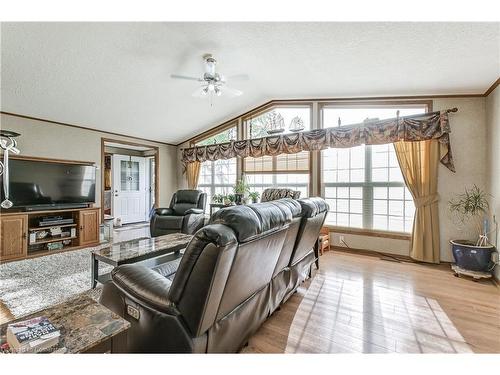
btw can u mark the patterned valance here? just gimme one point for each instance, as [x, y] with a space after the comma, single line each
[421, 127]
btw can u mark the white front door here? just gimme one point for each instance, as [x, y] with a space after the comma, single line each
[129, 188]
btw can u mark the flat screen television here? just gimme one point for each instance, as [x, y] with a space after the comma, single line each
[40, 184]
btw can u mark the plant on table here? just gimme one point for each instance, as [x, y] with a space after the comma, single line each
[240, 190]
[254, 196]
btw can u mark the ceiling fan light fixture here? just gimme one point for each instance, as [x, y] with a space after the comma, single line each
[212, 82]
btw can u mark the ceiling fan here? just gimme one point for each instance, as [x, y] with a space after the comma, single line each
[213, 83]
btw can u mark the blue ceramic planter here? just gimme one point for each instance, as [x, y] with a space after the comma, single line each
[471, 257]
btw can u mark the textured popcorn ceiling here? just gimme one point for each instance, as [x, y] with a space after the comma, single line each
[115, 76]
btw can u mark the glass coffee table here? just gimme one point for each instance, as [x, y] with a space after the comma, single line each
[158, 249]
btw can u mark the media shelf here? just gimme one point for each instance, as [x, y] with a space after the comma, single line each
[52, 226]
[19, 232]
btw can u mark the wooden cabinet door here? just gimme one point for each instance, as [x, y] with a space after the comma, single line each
[89, 227]
[13, 237]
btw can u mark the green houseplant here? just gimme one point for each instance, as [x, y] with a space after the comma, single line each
[254, 196]
[229, 199]
[240, 189]
[218, 198]
[472, 207]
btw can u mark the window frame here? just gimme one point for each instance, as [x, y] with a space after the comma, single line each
[201, 138]
[269, 107]
[367, 194]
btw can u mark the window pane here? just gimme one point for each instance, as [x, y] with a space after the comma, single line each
[217, 177]
[356, 206]
[396, 193]
[380, 207]
[294, 181]
[356, 192]
[356, 221]
[357, 175]
[380, 175]
[224, 136]
[380, 156]
[377, 198]
[396, 208]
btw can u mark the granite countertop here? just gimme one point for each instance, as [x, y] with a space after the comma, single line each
[83, 323]
[122, 251]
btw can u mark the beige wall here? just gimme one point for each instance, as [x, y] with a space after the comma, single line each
[44, 139]
[493, 165]
[468, 140]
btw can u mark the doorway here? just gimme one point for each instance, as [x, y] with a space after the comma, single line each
[129, 181]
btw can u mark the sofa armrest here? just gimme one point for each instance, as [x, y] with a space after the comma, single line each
[194, 211]
[145, 286]
[164, 211]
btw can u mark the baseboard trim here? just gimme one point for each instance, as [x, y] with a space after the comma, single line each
[372, 253]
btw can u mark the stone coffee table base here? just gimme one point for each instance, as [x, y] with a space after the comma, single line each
[85, 326]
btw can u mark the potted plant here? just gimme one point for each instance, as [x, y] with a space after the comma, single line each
[254, 196]
[229, 199]
[472, 206]
[240, 189]
[218, 198]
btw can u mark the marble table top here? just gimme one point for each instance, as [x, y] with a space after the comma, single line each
[142, 248]
[83, 323]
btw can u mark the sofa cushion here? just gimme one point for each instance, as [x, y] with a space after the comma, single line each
[185, 200]
[253, 220]
[169, 222]
[279, 193]
[144, 284]
[168, 269]
[289, 204]
[313, 206]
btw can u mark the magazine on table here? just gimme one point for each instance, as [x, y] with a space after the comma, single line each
[32, 335]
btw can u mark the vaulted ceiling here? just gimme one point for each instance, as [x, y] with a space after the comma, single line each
[116, 76]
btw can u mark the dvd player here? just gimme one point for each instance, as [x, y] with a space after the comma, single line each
[54, 220]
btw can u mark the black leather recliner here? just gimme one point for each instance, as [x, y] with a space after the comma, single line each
[233, 275]
[186, 214]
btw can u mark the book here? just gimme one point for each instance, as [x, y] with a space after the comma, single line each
[32, 335]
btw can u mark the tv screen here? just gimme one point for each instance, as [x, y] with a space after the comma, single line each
[35, 183]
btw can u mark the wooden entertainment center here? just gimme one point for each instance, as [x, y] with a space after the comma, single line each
[16, 229]
[22, 235]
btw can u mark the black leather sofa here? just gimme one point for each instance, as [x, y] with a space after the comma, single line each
[234, 273]
[186, 214]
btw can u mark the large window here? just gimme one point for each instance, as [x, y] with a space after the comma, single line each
[218, 177]
[363, 185]
[290, 171]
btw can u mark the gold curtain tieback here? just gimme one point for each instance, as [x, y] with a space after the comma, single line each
[426, 200]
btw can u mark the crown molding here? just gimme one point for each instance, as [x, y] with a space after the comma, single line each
[82, 127]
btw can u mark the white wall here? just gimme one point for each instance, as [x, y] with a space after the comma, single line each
[468, 140]
[49, 140]
[493, 165]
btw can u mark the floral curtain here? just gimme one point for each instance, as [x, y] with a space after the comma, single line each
[433, 125]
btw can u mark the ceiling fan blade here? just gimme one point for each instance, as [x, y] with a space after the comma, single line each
[238, 77]
[199, 92]
[229, 91]
[178, 76]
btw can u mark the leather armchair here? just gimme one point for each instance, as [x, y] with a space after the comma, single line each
[185, 214]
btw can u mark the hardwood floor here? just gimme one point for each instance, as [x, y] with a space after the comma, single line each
[362, 304]
[359, 303]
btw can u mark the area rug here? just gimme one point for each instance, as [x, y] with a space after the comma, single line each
[33, 284]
